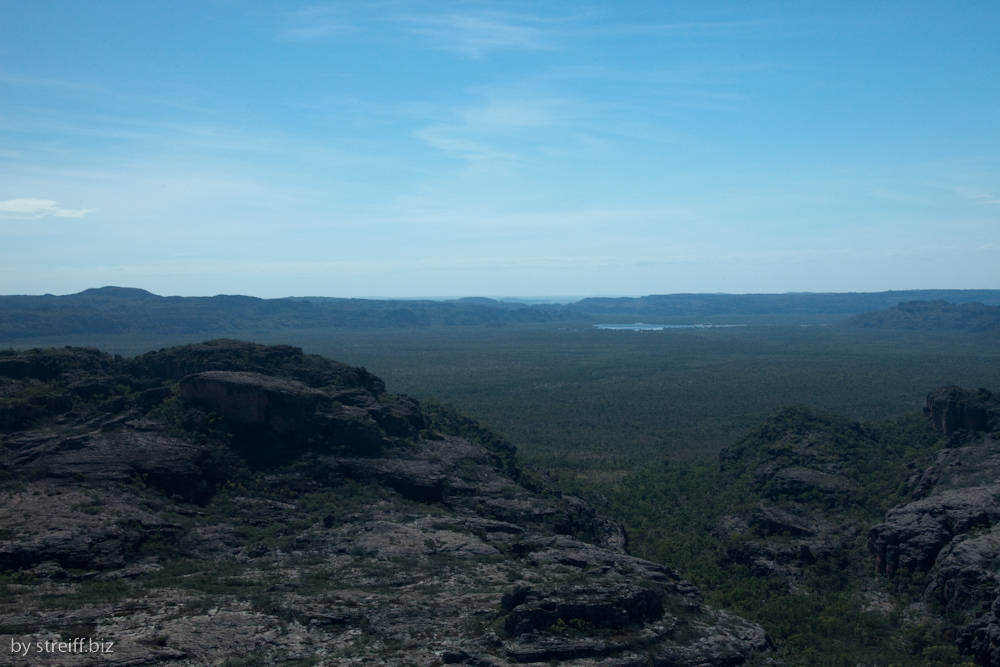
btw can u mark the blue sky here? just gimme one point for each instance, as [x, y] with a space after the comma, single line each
[447, 149]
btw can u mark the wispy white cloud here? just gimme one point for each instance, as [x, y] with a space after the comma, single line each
[503, 129]
[976, 193]
[313, 33]
[693, 29]
[448, 139]
[38, 208]
[58, 84]
[509, 113]
[315, 24]
[476, 34]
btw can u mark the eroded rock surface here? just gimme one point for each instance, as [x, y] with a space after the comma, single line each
[237, 502]
[954, 409]
[951, 533]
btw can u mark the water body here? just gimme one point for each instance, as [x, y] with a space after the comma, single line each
[639, 326]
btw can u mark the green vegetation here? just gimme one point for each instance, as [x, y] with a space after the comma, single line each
[673, 513]
[593, 405]
[640, 418]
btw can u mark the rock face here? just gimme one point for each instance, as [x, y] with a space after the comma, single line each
[814, 493]
[235, 502]
[953, 409]
[284, 408]
[951, 533]
[801, 468]
[913, 535]
[279, 419]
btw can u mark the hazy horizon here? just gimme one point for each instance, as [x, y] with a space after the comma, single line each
[541, 299]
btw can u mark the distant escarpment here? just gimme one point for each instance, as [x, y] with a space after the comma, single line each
[118, 310]
[935, 315]
[230, 503]
[799, 304]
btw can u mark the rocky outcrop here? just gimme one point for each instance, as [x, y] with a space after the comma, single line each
[952, 535]
[798, 474]
[965, 574]
[912, 536]
[791, 521]
[282, 361]
[957, 467]
[277, 419]
[981, 638]
[952, 531]
[272, 506]
[953, 409]
[424, 481]
[284, 408]
[613, 608]
[97, 458]
[73, 528]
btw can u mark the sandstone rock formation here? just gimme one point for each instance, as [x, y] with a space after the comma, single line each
[230, 501]
[951, 533]
[955, 409]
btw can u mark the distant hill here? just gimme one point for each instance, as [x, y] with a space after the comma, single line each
[124, 310]
[705, 305]
[119, 310]
[938, 315]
